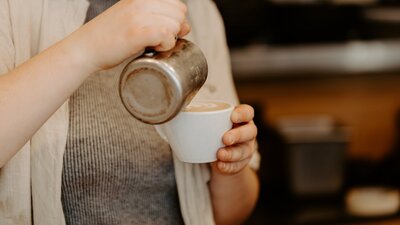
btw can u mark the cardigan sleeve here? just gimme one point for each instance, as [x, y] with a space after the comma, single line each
[209, 34]
[220, 68]
[7, 50]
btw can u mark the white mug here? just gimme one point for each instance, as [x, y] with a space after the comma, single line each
[195, 134]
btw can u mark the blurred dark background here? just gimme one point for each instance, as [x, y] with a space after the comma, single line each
[324, 79]
[283, 22]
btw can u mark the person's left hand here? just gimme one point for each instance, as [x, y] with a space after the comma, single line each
[239, 142]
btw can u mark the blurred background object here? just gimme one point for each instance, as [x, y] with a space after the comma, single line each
[298, 37]
[372, 201]
[316, 149]
[324, 78]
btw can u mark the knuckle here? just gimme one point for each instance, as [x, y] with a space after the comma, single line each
[225, 154]
[231, 167]
[182, 6]
[246, 150]
[229, 154]
[153, 34]
[234, 155]
[168, 41]
[236, 135]
[236, 167]
[181, 16]
[164, 31]
[175, 27]
[237, 153]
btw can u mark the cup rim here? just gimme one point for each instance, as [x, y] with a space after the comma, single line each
[231, 106]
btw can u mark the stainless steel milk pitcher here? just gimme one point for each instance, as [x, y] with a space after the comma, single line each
[157, 85]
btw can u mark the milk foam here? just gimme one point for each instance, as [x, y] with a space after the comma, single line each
[206, 106]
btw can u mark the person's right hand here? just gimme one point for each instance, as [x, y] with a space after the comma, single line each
[127, 28]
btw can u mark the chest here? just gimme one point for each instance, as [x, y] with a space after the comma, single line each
[104, 140]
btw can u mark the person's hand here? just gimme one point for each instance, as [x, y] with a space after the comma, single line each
[127, 28]
[239, 142]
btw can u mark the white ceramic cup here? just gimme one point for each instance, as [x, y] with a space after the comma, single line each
[195, 134]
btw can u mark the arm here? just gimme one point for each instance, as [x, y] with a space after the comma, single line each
[234, 185]
[33, 91]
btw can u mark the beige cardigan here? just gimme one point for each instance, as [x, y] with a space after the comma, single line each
[31, 181]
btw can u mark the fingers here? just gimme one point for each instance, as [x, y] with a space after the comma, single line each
[239, 141]
[234, 159]
[128, 27]
[171, 11]
[178, 3]
[148, 20]
[158, 37]
[236, 153]
[181, 17]
[242, 113]
[232, 168]
[240, 134]
[185, 29]
[169, 16]
[168, 42]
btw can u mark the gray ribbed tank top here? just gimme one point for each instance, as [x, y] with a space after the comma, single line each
[116, 169]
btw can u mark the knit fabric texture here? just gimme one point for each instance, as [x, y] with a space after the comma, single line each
[116, 169]
[98, 6]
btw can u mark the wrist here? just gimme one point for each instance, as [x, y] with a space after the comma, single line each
[233, 195]
[78, 54]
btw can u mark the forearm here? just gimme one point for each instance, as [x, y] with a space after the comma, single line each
[233, 196]
[32, 92]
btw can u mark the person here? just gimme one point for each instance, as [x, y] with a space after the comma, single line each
[70, 153]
